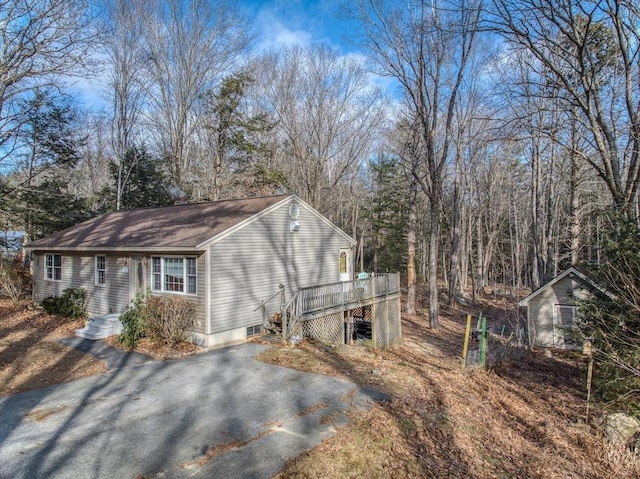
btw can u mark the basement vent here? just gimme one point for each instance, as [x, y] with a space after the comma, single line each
[254, 330]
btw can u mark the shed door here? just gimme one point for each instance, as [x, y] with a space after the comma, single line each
[564, 317]
[345, 265]
[137, 275]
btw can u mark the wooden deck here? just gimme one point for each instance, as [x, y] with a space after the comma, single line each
[320, 300]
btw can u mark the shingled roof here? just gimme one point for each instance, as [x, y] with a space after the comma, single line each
[170, 227]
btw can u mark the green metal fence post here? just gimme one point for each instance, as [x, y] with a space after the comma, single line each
[483, 341]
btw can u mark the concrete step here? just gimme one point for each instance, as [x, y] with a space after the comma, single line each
[101, 327]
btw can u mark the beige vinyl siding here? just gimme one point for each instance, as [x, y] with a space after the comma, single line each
[113, 296]
[78, 271]
[541, 309]
[541, 327]
[247, 266]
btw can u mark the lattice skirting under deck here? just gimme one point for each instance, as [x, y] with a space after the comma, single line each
[385, 327]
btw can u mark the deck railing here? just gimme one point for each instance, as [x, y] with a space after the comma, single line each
[326, 296]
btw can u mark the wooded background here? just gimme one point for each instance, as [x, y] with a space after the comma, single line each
[507, 136]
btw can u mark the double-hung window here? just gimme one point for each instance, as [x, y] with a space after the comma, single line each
[53, 267]
[101, 269]
[174, 274]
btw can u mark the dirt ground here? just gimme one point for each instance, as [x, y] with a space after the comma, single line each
[523, 417]
[30, 357]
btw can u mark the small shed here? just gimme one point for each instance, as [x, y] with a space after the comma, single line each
[225, 256]
[551, 309]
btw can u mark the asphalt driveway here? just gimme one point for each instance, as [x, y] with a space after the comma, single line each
[217, 414]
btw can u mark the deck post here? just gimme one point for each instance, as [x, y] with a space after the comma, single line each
[483, 340]
[314, 302]
[283, 314]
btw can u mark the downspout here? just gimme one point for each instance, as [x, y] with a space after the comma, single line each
[207, 286]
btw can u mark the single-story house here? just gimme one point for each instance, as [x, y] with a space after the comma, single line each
[552, 309]
[226, 256]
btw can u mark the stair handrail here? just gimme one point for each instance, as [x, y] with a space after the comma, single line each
[375, 285]
[263, 305]
[291, 313]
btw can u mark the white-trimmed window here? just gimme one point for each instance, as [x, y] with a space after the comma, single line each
[101, 269]
[53, 267]
[174, 274]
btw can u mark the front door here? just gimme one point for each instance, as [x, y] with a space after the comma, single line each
[346, 265]
[137, 275]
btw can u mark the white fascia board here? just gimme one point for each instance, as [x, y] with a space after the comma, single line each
[207, 299]
[561, 276]
[219, 237]
[325, 220]
[120, 249]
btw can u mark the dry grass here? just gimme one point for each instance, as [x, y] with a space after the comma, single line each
[523, 418]
[159, 351]
[30, 357]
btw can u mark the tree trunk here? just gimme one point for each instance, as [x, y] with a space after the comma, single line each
[433, 262]
[454, 263]
[481, 283]
[411, 248]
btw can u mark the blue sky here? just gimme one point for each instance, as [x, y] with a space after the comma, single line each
[275, 23]
[279, 22]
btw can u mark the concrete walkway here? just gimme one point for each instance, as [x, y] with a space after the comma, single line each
[217, 414]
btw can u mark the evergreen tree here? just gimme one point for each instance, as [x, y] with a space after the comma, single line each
[48, 151]
[47, 137]
[237, 153]
[52, 208]
[144, 183]
[611, 318]
[387, 216]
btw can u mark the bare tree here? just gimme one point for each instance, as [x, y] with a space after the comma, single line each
[589, 50]
[126, 88]
[189, 46]
[543, 129]
[426, 46]
[472, 139]
[327, 115]
[91, 176]
[40, 41]
[410, 149]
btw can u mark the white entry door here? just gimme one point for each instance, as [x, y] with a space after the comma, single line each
[346, 264]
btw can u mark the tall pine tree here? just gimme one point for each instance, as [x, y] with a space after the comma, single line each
[144, 182]
[387, 215]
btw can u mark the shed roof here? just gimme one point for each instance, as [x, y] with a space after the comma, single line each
[561, 276]
[184, 226]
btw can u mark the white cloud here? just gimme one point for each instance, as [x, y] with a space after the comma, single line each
[273, 32]
[289, 37]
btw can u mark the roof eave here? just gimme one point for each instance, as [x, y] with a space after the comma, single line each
[119, 249]
[219, 237]
[229, 231]
[568, 271]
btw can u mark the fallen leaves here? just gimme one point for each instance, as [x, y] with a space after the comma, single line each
[30, 357]
[522, 419]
